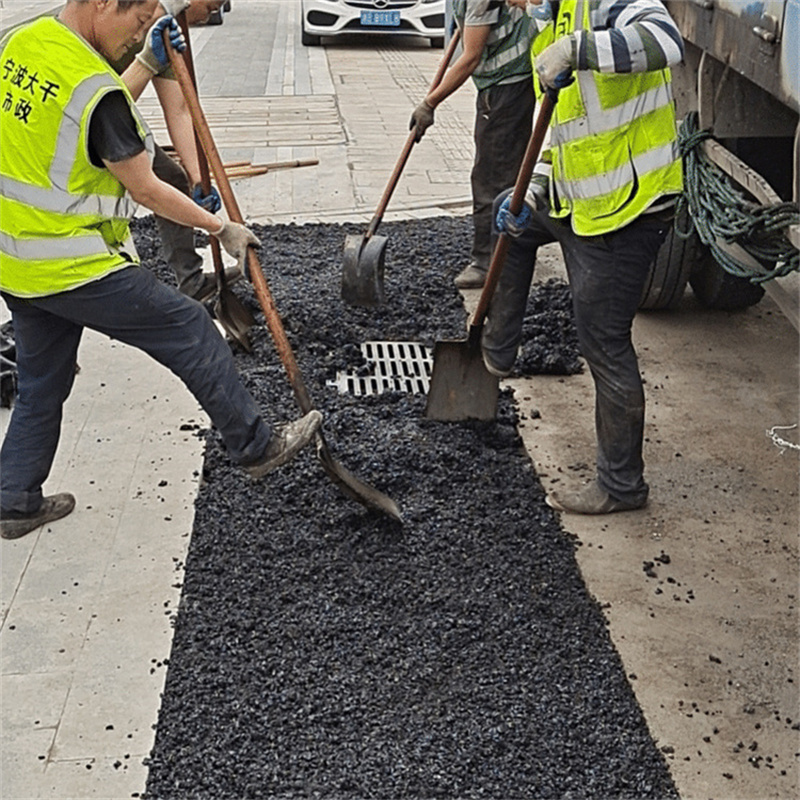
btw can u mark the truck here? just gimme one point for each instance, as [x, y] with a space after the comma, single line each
[741, 76]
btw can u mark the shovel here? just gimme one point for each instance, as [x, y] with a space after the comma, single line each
[365, 256]
[232, 314]
[353, 487]
[460, 386]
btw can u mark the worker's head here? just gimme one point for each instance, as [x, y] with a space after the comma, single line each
[112, 26]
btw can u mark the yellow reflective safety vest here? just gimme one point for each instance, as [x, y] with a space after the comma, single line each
[613, 139]
[63, 221]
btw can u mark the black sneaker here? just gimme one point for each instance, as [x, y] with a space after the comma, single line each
[208, 286]
[14, 524]
[287, 441]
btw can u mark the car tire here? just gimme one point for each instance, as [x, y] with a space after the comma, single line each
[226, 7]
[718, 289]
[666, 283]
[216, 17]
[309, 39]
[437, 41]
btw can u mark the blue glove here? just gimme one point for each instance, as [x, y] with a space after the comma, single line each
[154, 55]
[507, 223]
[210, 202]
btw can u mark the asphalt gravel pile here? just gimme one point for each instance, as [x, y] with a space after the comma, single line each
[325, 651]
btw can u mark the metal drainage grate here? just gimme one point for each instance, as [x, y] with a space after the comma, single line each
[391, 366]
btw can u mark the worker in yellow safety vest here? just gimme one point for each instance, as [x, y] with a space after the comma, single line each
[75, 157]
[605, 190]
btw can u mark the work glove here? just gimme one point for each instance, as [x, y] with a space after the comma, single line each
[538, 194]
[235, 238]
[508, 223]
[174, 7]
[421, 119]
[210, 202]
[555, 63]
[153, 55]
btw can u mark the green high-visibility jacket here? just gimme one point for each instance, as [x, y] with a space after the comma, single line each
[613, 139]
[63, 221]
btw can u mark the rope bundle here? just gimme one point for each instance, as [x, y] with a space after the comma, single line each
[719, 211]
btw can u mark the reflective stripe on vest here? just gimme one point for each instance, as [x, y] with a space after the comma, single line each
[64, 221]
[613, 140]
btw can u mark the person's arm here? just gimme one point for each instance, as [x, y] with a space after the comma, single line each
[179, 125]
[629, 37]
[136, 77]
[473, 42]
[137, 176]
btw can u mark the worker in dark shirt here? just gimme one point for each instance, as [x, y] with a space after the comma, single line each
[67, 259]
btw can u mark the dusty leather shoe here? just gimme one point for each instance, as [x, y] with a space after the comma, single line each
[287, 441]
[590, 499]
[471, 277]
[14, 524]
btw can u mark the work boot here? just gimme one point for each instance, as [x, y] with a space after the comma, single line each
[286, 442]
[208, 286]
[14, 524]
[589, 499]
[471, 277]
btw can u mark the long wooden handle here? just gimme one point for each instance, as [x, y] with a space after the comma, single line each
[232, 207]
[517, 199]
[407, 147]
[205, 176]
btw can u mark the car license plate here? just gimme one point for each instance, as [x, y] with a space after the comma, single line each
[384, 19]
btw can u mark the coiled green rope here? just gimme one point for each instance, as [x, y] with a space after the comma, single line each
[717, 210]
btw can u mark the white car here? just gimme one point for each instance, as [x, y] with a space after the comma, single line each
[400, 17]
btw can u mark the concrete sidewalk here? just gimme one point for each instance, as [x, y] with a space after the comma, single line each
[88, 603]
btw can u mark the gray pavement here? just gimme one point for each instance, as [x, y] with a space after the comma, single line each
[88, 602]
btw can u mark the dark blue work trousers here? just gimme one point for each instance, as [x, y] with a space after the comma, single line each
[132, 306]
[607, 275]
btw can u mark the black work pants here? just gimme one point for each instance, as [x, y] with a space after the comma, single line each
[503, 122]
[607, 275]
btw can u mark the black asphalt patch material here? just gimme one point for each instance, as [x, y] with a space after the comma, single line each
[324, 651]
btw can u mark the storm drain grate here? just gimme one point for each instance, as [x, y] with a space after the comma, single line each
[390, 366]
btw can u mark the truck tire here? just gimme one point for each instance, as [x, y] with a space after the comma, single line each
[670, 272]
[715, 288]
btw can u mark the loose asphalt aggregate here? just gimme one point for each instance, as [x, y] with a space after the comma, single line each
[325, 650]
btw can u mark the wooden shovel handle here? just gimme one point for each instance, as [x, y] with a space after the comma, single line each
[205, 177]
[232, 207]
[407, 147]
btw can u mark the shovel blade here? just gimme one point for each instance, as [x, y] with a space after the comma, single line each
[362, 273]
[460, 387]
[354, 488]
[234, 317]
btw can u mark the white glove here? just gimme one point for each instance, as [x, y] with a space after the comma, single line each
[555, 63]
[235, 238]
[174, 7]
[538, 194]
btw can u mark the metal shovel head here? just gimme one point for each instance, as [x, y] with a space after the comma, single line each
[362, 274]
[234, 317]
[460, 387]
[354, 488]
